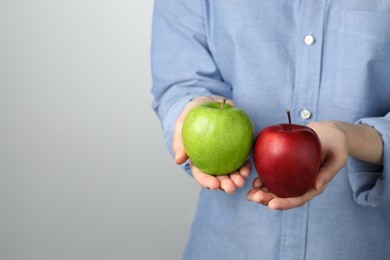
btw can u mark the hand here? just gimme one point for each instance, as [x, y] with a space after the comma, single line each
[334, 157]
[228, 183]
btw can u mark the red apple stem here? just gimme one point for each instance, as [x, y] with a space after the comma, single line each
[289, 118]
[223, 103]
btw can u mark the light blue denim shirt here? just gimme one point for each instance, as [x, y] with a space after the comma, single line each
[323, 59]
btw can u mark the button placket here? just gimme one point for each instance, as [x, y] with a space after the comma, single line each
[308, 71]
[305, 103]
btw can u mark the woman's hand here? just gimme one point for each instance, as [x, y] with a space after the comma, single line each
[228, 183]
[335, 151]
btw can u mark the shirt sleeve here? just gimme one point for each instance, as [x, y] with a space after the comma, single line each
[182, 65]
[371, 183]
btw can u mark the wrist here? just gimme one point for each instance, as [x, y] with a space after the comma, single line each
[363, 141]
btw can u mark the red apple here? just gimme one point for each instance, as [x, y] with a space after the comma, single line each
[287, 158]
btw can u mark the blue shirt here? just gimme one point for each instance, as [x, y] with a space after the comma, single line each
[323, 60]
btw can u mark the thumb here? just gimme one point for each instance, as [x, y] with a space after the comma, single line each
[335, 160]
[178, 147]
[179, 151]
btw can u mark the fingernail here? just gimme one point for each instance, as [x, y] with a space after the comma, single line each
[213, 188]
[320, 185]
[176, 158]
[246, 174]
[271, 206]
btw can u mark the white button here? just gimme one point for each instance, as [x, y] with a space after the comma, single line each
[305, 114]
[309, 39]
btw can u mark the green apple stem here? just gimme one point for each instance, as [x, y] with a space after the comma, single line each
[223, 103]
[289, 118]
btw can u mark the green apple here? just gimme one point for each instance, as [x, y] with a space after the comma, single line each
[217, 137]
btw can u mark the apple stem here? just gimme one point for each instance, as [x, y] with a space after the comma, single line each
[223, 103]
[289, 118]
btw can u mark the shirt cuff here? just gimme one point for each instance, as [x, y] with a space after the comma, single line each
[371, 183]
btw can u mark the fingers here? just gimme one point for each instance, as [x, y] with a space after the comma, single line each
[289, 203]
[205, 180]
[264, 197]
[334, 162]
[246, 169]
[260, 194]
[229, 183]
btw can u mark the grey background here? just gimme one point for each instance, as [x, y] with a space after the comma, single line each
[84, 171]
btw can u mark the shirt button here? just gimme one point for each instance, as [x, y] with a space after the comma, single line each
[305, 114]
[309, 39]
